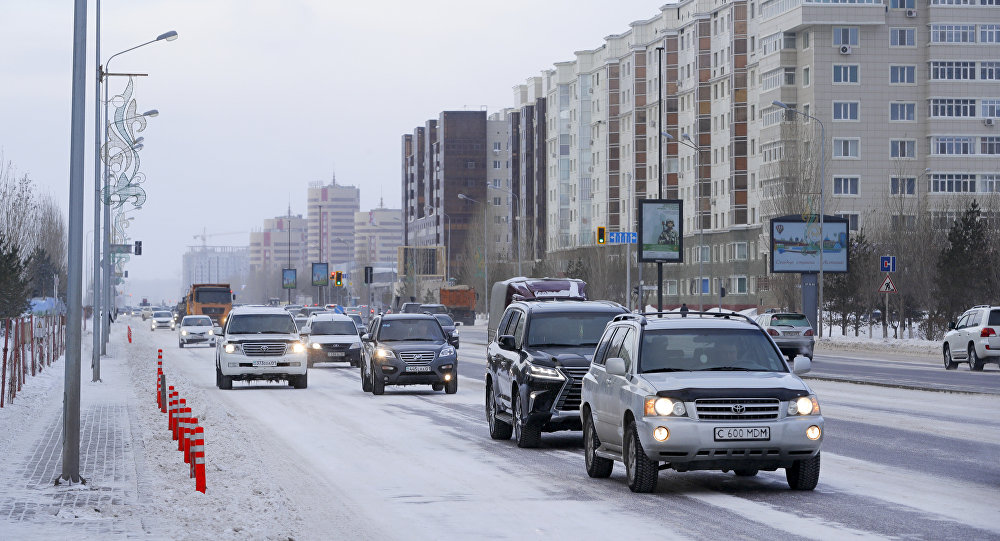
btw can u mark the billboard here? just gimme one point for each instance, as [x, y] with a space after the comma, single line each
[321, 274]
[661, 231]
[287, 278]
[795, 244]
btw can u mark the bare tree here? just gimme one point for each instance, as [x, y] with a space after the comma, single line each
[18, 206]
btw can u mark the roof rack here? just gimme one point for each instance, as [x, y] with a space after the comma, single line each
[516, 297]
[641, 317]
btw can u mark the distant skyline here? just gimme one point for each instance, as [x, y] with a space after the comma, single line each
[258, 98]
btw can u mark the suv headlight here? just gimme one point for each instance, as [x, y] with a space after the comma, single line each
[664, 406]
[383, 354]
[315, 345]
[297, 347]
[211, 332]
[804, 405]
[446, 351]
[231, 348]
[355, 345]
[543, 372]
[184, 333]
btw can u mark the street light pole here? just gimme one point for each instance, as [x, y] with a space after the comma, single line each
[486, 257]
[517, 203]
[659, 169]
[822, 201]
[701, 230]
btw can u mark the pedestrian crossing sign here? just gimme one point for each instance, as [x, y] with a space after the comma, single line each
[887, 285]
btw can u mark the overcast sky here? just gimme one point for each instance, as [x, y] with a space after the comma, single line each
[257, 98]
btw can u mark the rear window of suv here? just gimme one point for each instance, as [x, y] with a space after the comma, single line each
[994, 318]
[550, 330]
[692, 350]
[261, 324]
[790, 320]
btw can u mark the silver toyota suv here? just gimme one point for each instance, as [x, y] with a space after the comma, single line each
[974, 339]
[260, 343]
[709, 391]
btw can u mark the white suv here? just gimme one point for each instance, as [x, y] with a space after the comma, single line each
[260, 343]
[974, 339]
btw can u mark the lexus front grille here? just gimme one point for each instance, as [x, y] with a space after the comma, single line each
[571, 396]
[737, 409]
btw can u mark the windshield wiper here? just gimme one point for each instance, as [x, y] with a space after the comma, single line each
[729, 368]
[655, 370]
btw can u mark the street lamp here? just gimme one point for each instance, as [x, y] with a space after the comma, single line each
[822, 207]
[701, 229]
[102, 75]
[486, 257]
[517, 202]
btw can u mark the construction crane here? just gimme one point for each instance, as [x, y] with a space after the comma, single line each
[204, 236]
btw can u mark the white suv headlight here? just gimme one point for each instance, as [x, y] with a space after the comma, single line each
[664, 406]
[297, 347]
[231, 348]
[542, 372]
[804, 405]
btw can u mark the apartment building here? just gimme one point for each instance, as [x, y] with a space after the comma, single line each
[529, 158]
[440, 160]
[502, 199]
[331, 211]
[215, 264]
[282, 242]
[379, 233]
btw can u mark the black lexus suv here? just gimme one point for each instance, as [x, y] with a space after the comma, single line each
[536, 364]
[408, 349]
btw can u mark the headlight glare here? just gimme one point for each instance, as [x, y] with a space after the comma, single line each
[297, 347]
[316, 346]
[230, 348]
[664, 406]
[184, 333]
[382, 353]
[804, 405]
[544, 372]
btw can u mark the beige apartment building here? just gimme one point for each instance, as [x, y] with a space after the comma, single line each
[280, 244]
[378, 235]
[331, 210]
[907, 92]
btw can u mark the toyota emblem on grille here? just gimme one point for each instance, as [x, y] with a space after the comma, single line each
[264, 348]
[738, 409]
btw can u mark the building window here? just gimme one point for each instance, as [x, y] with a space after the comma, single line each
[845, 110]
[952, 145]
[470, 165]
[902, 4]
[989, 145]
[846, 148]
[990, 183]
[953, 71]
[845, 35]
[903, 111]
[671, 287]
[845, 185]
[953, 183]
[990, 109]
[902, 185]
[739, 285]
[901, 148]
[989, 71]
[496, 164]
[740, 251]
[852, 220]
[953, 33]
[953, 107]
[771, 79]
[845, 73]
[805, 76]
[789, 40]
[989, 33]
[902, 37]
[903, 75]
[906, 222]
[704, 254]
[789, 77]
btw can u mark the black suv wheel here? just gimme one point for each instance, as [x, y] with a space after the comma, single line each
[499, 430]
[640, 472]
[803, 474]
[525, 434]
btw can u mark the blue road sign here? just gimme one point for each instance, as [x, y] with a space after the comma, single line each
[623, 237]
[888, 263]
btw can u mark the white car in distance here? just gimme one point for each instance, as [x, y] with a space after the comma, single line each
[196, 330]
[162, 318]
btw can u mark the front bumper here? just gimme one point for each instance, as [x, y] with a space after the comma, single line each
[242, 367]
[394, 371]
[197, 339]
[161, 325]
[352, 356]
[548, 406]
[796, 346]
[692, 444]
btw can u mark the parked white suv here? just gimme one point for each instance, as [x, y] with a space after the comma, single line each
[974, 339]
[709, 391]
[260, 343]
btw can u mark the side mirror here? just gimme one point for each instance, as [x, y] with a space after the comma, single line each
[951, 325]
[366, 337]
[615, 366]
[453, 340]
[801, 364]
[506, 341]
[458, 323]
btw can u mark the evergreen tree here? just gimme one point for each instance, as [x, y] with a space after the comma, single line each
[14, 287]
[962, 279]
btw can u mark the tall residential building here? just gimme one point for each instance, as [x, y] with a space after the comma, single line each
[214, 264]
[331, 210]
[503, 207]
[441, 160]
[907, 94]
[528, 166]
[379, 234]
[280, 243]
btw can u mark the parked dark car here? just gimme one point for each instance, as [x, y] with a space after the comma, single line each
[450, 330]
[536, 363]
[407, 349]
[410, 308]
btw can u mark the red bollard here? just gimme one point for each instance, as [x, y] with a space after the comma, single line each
[158, 389]
[172, 409]
[129, 334]
[198, 459]
[189, 437]
[182, 426]
[178, 413]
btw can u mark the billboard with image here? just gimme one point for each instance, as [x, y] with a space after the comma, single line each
[661, 231]
[320, 274]
[795, 244]
[288, 278]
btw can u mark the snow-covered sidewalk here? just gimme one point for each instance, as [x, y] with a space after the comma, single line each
[137, 483]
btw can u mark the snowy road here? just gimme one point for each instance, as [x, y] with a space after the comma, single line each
[414, 464]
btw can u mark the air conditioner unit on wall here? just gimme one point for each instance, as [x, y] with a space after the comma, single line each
[845, 49]
[911, 13]
[988, 121]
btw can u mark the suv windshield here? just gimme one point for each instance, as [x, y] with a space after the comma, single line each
[394, 330]
[196, 322]
[789, 320]
[683, 350]
[333, 327]
[261, 324]
[567, 329]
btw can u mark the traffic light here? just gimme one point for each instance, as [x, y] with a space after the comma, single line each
[369, 275]
[138, 248]
[602, 235]
[333, 275]
[339, 279]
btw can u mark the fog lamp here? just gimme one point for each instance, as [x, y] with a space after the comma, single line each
[661, 433]
[447, 377]
[813, 432]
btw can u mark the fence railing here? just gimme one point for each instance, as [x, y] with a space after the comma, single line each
[30, 344]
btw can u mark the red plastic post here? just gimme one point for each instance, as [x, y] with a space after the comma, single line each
[198, 461]
[171, 408]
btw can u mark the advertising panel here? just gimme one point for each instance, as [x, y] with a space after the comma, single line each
[795, 244]
[321, 274]
[661, 231]
[288, 278]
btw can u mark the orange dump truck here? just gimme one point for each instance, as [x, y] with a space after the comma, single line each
[461, 303]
